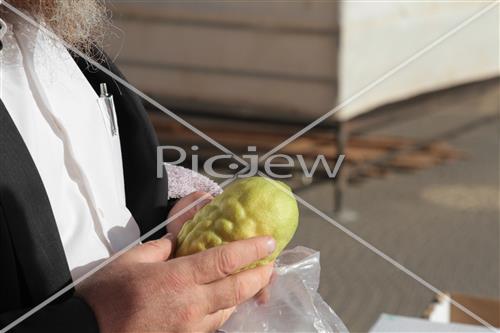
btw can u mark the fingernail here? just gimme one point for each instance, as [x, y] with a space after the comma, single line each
[169, 236]
[271, 245]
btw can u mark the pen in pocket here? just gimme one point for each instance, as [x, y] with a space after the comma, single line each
[106, 103]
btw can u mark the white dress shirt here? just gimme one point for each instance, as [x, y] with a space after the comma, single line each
[68, 136]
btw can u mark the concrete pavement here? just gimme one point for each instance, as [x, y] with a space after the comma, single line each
[442, 223]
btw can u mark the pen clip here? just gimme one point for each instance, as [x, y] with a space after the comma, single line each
[3, 30]
[106, 101]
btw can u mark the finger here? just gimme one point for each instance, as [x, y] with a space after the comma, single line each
[220, 261]
[214, 321]
[152, 251]
[196, 201]
[237, 288]
[264, 295]
[185, 210]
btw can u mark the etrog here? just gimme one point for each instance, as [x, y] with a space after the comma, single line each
[249, 207]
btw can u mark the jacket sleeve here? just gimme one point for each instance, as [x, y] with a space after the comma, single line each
[72, 315]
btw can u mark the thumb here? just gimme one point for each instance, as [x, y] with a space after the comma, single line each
[153, 251]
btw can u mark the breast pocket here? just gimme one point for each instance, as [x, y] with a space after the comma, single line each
[108, 113]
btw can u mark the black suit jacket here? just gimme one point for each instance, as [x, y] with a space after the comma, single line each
[32, 260]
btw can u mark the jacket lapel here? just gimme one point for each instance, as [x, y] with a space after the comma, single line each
[26, 207]
[29, 216]
[146, 195]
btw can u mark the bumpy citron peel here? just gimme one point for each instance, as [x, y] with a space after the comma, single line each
[249, 207]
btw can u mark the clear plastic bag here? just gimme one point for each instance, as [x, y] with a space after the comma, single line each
[294, 304]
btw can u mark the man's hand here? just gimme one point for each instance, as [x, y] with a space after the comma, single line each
[174, 226]
[140, 291]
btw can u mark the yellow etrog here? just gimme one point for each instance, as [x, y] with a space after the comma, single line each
[249, 207]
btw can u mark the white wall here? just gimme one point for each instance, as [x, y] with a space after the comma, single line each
[376, 37]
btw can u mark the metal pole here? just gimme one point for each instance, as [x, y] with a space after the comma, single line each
[340, 183]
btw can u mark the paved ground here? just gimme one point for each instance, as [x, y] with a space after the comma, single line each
[442, 223]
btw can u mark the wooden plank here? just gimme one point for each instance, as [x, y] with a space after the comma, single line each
[271, 97]
[267, 57]
[445, 151]
[310, 15]
[234, 52]
[359, 151]
[414, 160]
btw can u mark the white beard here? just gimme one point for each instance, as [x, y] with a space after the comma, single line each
[80, 23]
